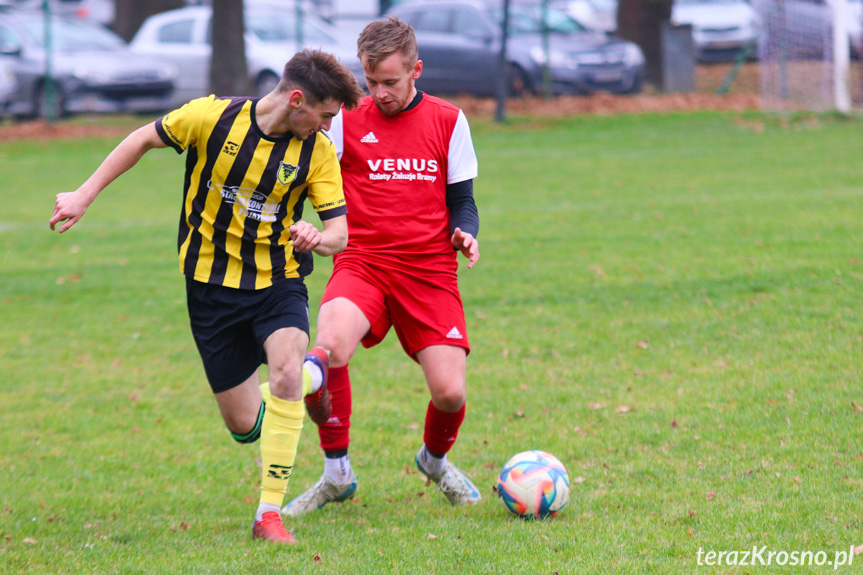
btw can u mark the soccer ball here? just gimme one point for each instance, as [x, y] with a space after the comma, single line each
[533, 484]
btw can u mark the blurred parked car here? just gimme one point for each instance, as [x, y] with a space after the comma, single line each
[8, 84]
[720, 28]
[101, 11]
[600, 15]
[459, 44]
[93, 70]
[182, 37]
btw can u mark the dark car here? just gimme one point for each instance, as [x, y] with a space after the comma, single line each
[92, 68]
[459, 44]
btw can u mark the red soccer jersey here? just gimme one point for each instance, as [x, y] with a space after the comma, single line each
[395, 171]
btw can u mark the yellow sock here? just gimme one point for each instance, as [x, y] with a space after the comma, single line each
[307, 386]
[280, 436]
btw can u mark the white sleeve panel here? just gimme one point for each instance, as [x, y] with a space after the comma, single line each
[336, 133]
[461, 163]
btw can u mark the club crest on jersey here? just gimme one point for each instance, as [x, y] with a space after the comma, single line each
[287, 173]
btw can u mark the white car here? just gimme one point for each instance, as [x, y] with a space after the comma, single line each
[720, 28]
[8, 85]
[599, 15]
[182, 37]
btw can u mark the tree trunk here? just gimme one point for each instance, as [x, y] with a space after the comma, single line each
[641, 21]
[228, 71]
[130, 14]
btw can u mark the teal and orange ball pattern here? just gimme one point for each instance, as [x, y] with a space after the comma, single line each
[533, 484]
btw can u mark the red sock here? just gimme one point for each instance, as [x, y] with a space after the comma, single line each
[335, 435]
[441, 429]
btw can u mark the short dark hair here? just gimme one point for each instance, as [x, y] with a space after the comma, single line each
[320, 76]
[383, 38]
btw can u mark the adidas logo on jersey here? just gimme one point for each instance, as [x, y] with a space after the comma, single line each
[454, 333]
[369, 138]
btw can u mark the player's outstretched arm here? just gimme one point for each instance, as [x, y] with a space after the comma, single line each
[69, 207]
[331, 241]
[467, 245]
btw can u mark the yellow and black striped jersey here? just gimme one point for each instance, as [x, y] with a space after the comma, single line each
[243, 190]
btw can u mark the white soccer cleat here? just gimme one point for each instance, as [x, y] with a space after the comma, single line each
[453, 483]
[324, 491]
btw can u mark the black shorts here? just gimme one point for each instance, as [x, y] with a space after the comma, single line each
[231, 325]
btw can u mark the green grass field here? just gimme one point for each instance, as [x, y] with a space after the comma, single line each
[670, 304]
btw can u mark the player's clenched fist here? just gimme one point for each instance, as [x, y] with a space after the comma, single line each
[305, 236]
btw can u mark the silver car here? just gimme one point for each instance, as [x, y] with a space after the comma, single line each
[720, 28]
[91, 68]
[182, 37]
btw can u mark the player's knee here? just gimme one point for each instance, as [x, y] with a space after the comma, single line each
[449, 400]
[254, 434]
[285, 378]
[341, 350]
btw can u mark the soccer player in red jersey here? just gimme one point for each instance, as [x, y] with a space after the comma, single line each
[408, 165]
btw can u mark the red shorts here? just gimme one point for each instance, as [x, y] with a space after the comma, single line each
[421, 302]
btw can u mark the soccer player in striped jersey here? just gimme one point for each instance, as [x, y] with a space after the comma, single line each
[245, 248]
[408, 164]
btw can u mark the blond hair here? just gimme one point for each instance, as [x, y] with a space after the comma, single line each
[383, 38]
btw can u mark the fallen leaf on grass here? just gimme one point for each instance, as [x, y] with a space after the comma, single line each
[797, 480]
[596, 405]
[578, 479]
[623, 409]
[692, 512]
[317, 558]
[642, 344]
[413, 426]
[858, 550]
[29, 540]
[859, 408]
[432, 536]
[710, 495]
